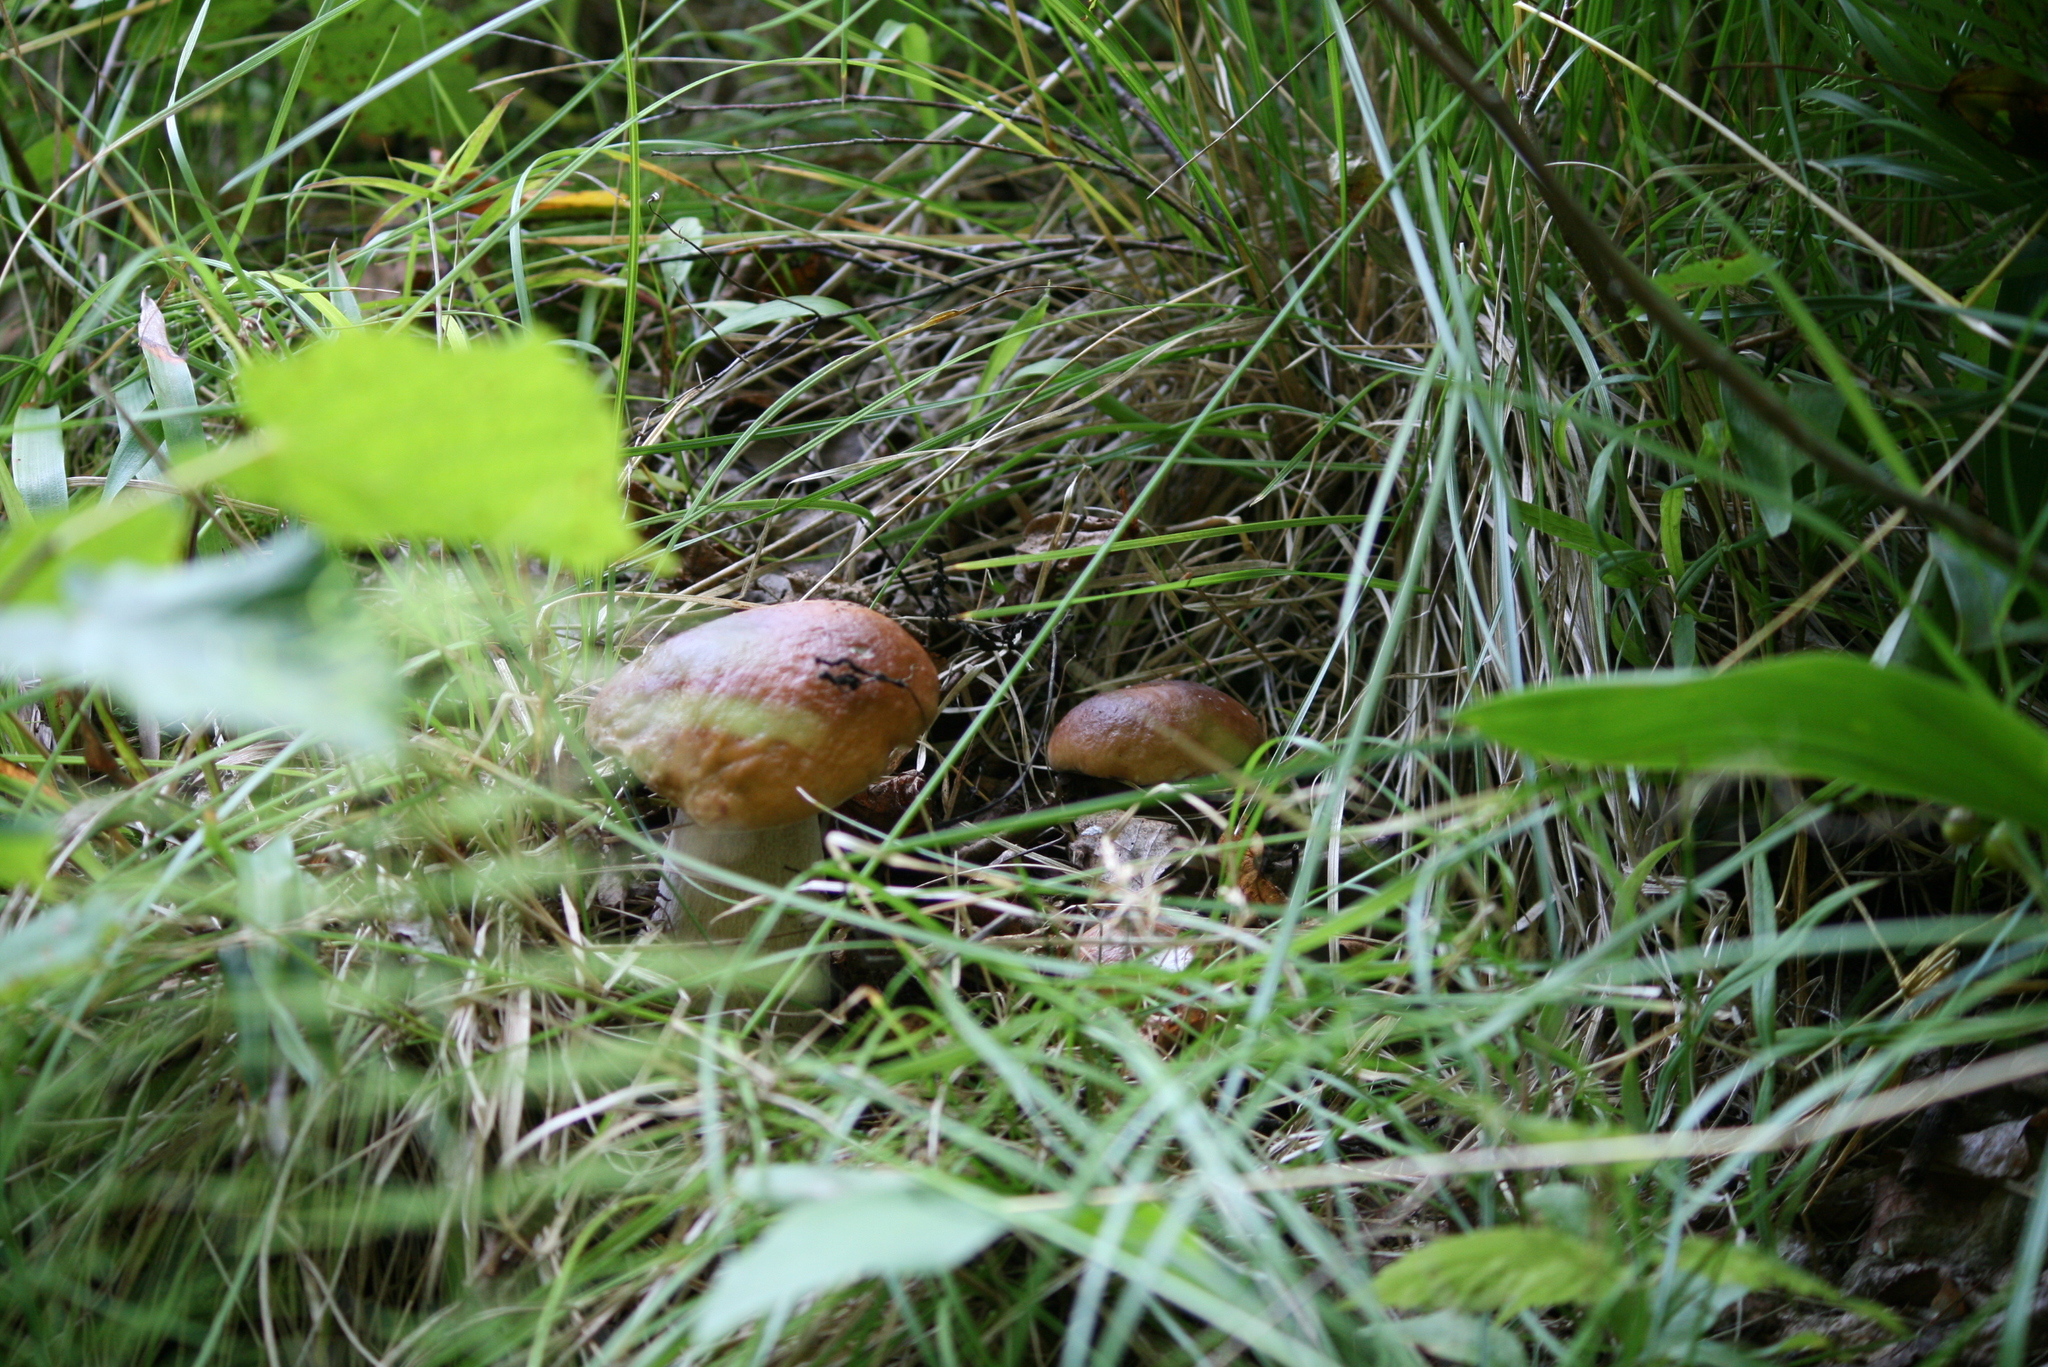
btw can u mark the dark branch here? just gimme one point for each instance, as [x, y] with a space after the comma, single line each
[1618, 281]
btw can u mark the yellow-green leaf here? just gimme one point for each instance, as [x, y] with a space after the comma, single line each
[381, 435]
[138, 529]
[1504, 1271]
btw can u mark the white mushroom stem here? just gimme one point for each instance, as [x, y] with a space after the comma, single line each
[704, 904]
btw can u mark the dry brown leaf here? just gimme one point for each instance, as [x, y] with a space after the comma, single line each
[885, 800]
[1104, 942]
[2008, 108]
[1060, 532]
[1256, 887]
[1136, 851]
[2000, 1152]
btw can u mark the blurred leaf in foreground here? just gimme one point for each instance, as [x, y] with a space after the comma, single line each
[24, 851]
[64, 940]
[36, 557]
[1804, 716]
[846, 1226]
[382, 435]
[1506, 1271]
[1453, 1336]
[247, 639]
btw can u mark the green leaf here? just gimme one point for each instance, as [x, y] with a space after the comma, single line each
[132, 458]
[1052, 365]
[855, 1225]
[162, 33]
[1563, 1206]
[1972, 346]
[1977, 588]
[1768, 455]
[171, 379]
[1619, 564]
[1671, 530]
[810, 306]
[1722, 273]
[60, 943]
[37, 458]
[916, 48]
[472, 147]
[245, 638]
[1186, 1253]
[340, 292]
[1749, 1267]
[24, 851]
[378, 38]
[1568, 531]
[380, 435]
[791, 505]
[1503, 1271]
[1810, 716]
[274, 996]
[1746, 1267]
[681, 243]
[52, 159]
[144, 529]
[1006, 349]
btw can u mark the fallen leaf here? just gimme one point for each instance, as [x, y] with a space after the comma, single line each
[586, 203]
[2005, 106]
[1999, 1152]
[16, 774]
[1251, 876]
[1165, 1030]
[1104, 942]
[885, 800]
[578, 202]
[1138, 851]
[1062, 532]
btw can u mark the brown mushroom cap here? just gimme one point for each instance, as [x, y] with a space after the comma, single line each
[1155, 733]
[758, 719]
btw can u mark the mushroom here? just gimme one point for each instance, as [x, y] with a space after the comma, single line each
[1146, 734]
[752, 724]
[1155, 733]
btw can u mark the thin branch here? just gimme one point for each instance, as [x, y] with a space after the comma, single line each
[1617, 281]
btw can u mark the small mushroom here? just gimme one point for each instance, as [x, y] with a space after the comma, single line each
[752, 724]
[1155, 733]
[1146, 734]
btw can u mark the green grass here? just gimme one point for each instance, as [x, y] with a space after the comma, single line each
[1254, 289]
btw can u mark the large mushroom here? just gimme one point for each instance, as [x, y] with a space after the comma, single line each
[1155, 733]
[752, 724]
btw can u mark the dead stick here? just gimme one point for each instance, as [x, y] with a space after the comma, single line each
[1617, 281]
